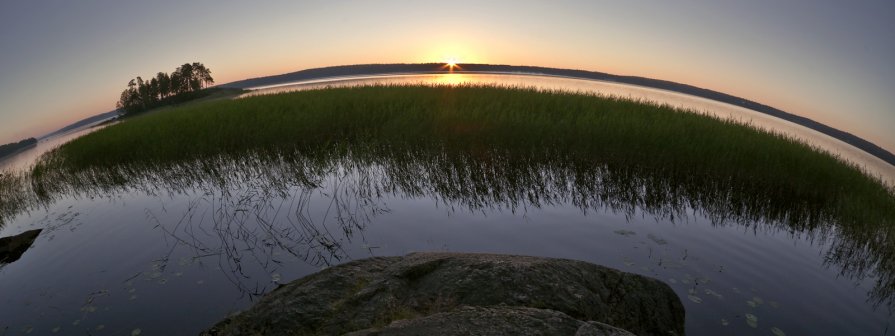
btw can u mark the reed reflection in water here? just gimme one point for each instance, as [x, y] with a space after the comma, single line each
[248, 210]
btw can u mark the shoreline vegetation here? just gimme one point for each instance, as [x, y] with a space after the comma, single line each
[504, 123]
[614, 129]
[484, 147]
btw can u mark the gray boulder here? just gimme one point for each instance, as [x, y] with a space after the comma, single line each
[432, 291]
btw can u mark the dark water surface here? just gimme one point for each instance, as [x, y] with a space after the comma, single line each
[172, 251]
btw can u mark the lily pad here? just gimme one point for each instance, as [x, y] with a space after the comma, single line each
[714, 293]
[752, 320]
[694, 298]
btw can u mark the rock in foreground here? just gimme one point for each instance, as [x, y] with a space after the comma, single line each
[12, 248]
[474, 294]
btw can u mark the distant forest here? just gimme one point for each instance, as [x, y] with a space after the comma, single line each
[8, 149]
[185, 83]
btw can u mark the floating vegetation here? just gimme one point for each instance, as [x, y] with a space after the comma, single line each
[657, 240]
[752, 320]
[777, 332]
[713, 293]
[625, 233]
[694, 298]
[136, 332]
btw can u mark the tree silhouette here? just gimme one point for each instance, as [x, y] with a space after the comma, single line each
[163, 89]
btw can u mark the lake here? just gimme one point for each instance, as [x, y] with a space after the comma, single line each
[177, 251]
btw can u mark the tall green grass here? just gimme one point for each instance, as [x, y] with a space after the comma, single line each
[608, 130]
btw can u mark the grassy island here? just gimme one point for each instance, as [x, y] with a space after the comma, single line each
[606, 130]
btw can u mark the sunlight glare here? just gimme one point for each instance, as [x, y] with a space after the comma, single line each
[451, 64]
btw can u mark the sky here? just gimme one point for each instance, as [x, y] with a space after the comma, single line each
[832, 61]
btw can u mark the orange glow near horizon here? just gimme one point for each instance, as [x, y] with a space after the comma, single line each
[453, 79]
[451, 64]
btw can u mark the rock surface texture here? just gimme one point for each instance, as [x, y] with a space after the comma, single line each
[464, 294]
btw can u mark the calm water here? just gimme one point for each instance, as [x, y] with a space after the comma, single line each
[26, 158]
[175, 251]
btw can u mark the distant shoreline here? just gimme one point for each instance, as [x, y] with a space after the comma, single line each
[348, 71]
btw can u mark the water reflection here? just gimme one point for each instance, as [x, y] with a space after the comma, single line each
[247, 211]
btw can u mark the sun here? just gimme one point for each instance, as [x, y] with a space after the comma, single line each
[451, 64]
